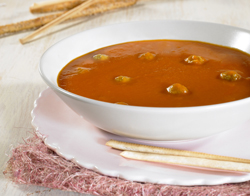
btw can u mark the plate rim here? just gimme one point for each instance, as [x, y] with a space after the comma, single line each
[228, 179]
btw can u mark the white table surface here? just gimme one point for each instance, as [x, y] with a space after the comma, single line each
[20, 82]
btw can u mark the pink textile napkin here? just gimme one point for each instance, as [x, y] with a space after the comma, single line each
[33, 163]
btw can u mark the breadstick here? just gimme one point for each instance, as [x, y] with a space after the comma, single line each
[104, 6]
[58, 20]
[55, 5]
[28, 24]
[40, 21]
[168, 151]
[190, 161]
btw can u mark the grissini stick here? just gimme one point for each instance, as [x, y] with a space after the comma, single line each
[40, 21]
[168, 151]
[54, 5]
[27, 24]
[58, 20]
[189, 161]
[61, 5]
[101, 6]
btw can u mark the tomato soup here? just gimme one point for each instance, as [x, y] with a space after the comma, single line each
[160, 73]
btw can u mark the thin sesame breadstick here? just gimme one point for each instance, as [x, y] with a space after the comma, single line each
[58, 20]
[168, 151]
[54, 5]
[28, 24]
[190, 161]
[40, 21]
[60, 5]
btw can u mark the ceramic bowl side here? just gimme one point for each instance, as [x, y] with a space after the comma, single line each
[148, 122]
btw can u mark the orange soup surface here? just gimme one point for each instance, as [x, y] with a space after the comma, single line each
[160, 73]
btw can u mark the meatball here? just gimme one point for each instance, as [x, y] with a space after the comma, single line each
[177, 89]
[122, 79]
[147, 56]
[81, 70]
[198, 60]
[101, 57]
[230, 76]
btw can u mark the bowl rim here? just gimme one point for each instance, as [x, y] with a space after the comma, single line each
[132, 107]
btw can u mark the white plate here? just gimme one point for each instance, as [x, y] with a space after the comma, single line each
[75, 139]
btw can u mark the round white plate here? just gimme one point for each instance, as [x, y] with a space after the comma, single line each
[75, 139]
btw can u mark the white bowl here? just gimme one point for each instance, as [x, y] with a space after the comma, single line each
[151, 123]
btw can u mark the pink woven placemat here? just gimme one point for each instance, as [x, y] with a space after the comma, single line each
[33, 163]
